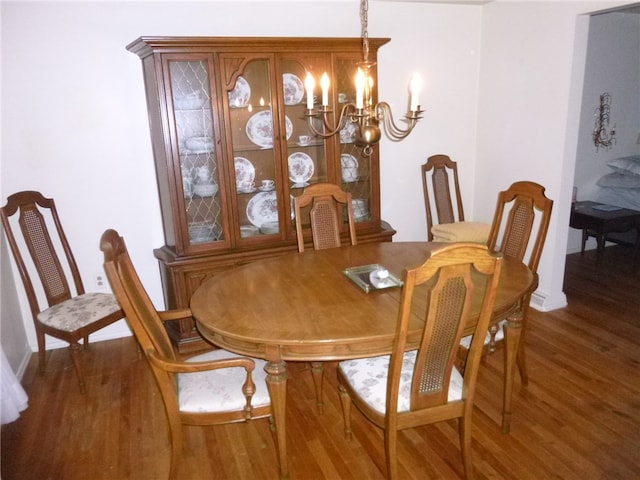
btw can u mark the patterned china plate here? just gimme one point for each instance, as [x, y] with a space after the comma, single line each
[260, 129]
[263, 208]
[245, 171]
[349, 168]
[241, 93]
[348, 133]
[293, 89]
[301, 168]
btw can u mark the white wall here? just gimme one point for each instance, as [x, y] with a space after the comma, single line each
[79, 128]
[531, 77]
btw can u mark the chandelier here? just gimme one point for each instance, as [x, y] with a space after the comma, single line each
[363, 113]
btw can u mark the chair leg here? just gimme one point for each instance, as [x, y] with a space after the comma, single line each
[42, 352]
[464, 426]
[521, 360]
[317, 371]
[391, 452]
[176, 449]
[345, 400]
[493, 331]
[75, 349]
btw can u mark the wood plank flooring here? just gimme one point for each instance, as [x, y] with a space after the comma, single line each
[578, 419]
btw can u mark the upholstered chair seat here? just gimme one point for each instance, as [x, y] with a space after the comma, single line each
[220, 390]
[368, 377]
[80, 311]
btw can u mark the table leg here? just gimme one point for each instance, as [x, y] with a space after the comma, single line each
[512, 333]
[599, 250]
[636, 250]
[317, 372]
[277, 385]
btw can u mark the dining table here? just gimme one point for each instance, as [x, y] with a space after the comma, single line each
[302, 307]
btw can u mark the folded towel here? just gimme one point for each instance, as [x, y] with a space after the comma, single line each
[476, 232]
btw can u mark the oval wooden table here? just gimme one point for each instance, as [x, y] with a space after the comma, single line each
[302, 307]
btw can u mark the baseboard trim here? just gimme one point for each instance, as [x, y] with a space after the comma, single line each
[544, 302]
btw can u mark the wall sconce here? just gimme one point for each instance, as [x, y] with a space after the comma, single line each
[602, 137]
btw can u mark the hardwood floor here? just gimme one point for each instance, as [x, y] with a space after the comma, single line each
[579, 418]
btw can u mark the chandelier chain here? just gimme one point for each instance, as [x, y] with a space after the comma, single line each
[364, 21]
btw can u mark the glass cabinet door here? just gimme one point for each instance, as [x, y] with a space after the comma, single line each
[201, 214]
[254, 130]
[355, 168]
[306, 152]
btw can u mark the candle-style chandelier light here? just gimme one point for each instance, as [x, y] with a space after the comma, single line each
[363, 113]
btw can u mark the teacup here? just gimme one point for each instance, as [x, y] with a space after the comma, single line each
[342, 97]
[203, 174]
[268, 184]
[304, 139]
[247, 186]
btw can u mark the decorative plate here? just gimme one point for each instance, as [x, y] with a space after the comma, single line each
[348, 133]
[241, 93]
[245, 171]
[260, 129]
[300, 167]
[349, 168]
[293, 89]
[263, 208]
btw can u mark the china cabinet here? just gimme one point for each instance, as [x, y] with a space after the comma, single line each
[232, 148]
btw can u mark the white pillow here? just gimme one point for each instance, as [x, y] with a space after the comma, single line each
[626, 165]
[619, 180]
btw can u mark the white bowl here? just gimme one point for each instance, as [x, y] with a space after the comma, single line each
[247, 231]
[205, 189]
[200, 144]
[269, 228]
[204, 232]
[190, 101]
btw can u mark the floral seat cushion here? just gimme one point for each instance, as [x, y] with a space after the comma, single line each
[80, 311]
[220, 390]
[368, 377]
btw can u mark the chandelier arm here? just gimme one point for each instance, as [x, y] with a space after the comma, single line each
[329, 130]
[383, 112]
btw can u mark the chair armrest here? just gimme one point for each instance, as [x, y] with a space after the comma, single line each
[177, 314]
[187, 367]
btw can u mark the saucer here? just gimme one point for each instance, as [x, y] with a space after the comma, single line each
[250, 190]
[266, 189]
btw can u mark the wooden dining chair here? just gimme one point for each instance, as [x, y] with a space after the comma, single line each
[416, 387]
[324, 203]
[43, 257]
[212, 388]
[527, 210]
[445, 213]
